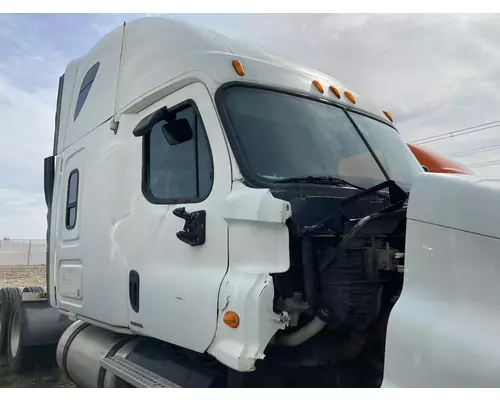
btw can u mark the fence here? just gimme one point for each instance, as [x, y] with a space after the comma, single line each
[22, 252]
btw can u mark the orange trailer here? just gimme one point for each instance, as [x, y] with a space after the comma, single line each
[436, 162]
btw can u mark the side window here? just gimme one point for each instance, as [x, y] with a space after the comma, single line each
[87, 82]
[178, 161]
[72, 199]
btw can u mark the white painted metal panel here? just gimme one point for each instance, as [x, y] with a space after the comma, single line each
[444, 328]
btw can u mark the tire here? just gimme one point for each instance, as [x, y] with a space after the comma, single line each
[7, 298]
[18, 356]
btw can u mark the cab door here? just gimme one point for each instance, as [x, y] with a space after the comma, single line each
[178, 253]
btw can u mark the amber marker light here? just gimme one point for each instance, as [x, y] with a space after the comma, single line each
[238, 67]
[350, 97]
[231, 319]
[335, 91]
[318, 86]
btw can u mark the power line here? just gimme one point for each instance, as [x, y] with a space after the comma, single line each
[475, 151]
[455, 131]
[484, 164]
[450, 136]
[458, 132]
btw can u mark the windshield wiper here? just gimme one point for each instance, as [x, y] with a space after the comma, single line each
[325, 180]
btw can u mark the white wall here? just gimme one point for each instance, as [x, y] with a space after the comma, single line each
[22, 252]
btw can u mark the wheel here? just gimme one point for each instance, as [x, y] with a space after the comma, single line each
[18, 356]
[7, 297]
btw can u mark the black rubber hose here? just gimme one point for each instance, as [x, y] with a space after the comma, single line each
[319, 322]
[310, 284]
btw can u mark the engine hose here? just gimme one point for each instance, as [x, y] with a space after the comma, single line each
[310, 285]
[305, 333]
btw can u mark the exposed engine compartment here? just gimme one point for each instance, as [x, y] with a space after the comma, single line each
[346, 273]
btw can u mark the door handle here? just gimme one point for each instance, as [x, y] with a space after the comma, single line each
[194, 231]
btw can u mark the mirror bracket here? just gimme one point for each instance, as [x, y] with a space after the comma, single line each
[144, 126]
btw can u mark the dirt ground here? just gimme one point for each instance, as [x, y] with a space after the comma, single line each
[42, 373]
[22, 276]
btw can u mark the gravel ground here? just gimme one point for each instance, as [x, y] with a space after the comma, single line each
[22, 276]
[42, 375]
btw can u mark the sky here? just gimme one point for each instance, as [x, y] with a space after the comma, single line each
[436, 73]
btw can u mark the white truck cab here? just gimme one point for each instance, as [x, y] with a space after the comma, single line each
[221, 217]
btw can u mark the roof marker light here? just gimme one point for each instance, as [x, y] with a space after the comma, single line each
[350, 97]
[388, 115]
[335, 91]
[238, 67]
[318, 86]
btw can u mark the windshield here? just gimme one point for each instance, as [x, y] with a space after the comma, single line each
[282, 136]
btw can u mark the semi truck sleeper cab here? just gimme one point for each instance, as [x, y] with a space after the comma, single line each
[221, 217]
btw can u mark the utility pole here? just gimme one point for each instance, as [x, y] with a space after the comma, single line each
[29, 253]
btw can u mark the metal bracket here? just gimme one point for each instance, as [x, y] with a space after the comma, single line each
[29, 296]
[114, 126]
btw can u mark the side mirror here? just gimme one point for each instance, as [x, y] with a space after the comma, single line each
[146, 124]
[177, 131]
[426, 168]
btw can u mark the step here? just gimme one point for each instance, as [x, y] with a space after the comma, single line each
[134, 374]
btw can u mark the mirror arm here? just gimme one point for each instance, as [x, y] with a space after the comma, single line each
[145, 124]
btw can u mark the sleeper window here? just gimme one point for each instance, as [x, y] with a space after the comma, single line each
[72, 199]
[85, 87]
[178, 170]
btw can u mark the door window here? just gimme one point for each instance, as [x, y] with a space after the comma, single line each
[178, 160]
[72, 199]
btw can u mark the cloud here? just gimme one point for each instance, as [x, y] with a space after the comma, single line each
[28, 69]
[34, 52]
[22, 215]
[435, 72]
[25, 140]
